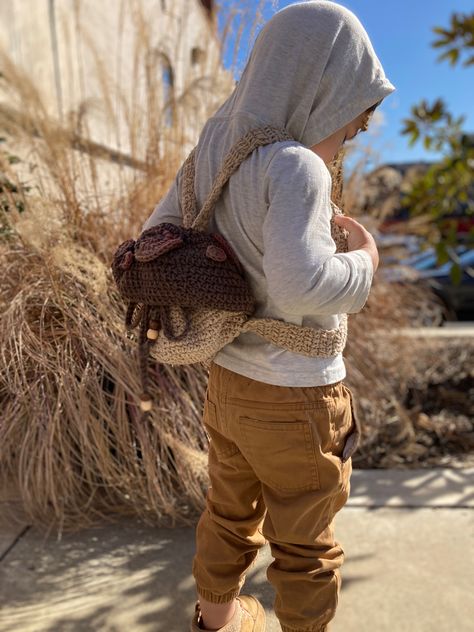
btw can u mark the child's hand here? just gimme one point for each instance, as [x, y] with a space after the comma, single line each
[359, 238]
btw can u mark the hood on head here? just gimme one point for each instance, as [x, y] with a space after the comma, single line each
[312, 70]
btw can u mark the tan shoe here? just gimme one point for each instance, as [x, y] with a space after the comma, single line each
[249, 616]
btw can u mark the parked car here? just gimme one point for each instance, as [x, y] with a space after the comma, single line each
[459, 298]
[422, 268]
[385, 243]
[410, 242]
[426, 260]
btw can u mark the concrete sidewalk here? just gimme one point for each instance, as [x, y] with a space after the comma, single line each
[408, 536]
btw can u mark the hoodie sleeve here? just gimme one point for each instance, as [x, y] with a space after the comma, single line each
[304, 273]
[169, 207]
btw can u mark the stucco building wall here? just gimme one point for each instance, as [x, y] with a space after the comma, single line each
[130, 74]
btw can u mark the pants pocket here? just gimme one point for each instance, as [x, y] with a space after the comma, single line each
[339, 435]
[281, 452]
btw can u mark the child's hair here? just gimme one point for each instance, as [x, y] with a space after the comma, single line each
[372, 107]
[368, 114]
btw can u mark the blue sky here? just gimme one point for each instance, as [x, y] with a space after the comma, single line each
[401, 33]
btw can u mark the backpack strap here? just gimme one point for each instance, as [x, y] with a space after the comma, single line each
[188, 196]
[305, 340]
[254, 138]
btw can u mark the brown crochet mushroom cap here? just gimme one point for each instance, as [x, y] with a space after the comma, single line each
[172, 265]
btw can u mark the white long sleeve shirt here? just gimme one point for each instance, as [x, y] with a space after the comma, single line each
[275, 211]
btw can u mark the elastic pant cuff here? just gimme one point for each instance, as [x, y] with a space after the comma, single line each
[213, 598]
[285, 628]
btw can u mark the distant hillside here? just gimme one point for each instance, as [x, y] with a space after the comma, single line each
[380, 192]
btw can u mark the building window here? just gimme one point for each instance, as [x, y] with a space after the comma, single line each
[208, 5]
[168, 90]
[197, 55]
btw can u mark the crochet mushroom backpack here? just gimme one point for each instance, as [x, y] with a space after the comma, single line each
[187, 291]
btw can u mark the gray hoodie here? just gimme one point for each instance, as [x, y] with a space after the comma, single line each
[312, 70]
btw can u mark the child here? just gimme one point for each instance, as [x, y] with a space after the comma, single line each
[282, 426]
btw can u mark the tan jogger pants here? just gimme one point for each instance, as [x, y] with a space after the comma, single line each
[279, 467]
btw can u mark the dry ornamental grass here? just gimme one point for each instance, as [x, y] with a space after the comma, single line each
[70, 439]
